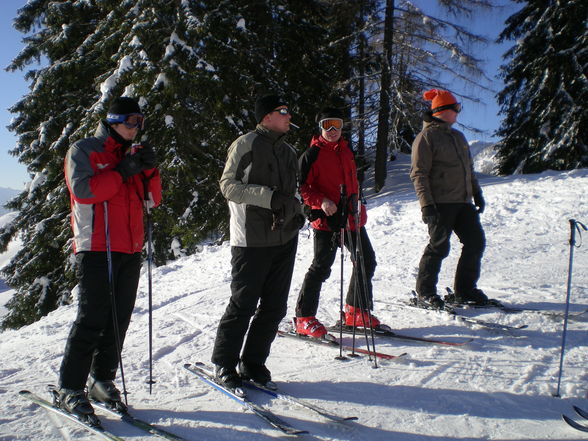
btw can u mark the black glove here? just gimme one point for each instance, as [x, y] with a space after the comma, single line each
[284, 208]
[129, 166]
[147, 155]
[479, 202]
[279, 201]
[430, 214]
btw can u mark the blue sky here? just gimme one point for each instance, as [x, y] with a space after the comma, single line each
[13, 87]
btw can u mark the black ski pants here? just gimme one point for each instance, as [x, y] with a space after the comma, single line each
[464, 220]
[260, 285]
[326, 244]
[91, 346]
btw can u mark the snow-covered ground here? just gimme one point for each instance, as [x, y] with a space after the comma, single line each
[497, 387]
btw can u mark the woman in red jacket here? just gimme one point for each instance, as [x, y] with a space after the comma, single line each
[325, 167]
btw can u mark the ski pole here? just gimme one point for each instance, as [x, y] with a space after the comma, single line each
[343, 195]
[113, 302]
[151, 382]
[363, 288]
[574, 225]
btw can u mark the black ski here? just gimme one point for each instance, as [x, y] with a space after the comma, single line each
[574, 424]
[292, 399]
[386, 331]
[334, 343]
[266, 415]
[496, 304]
[583, 413]
[97, 430]
[140, 424]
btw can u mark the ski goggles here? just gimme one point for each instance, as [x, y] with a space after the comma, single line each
[329, 124]
[131, 121]
[456, 107]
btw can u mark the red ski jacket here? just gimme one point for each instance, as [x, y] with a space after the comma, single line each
[92, 181]
[324, 167]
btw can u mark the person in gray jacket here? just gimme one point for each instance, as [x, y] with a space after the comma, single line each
[445, 183]
[260, 183]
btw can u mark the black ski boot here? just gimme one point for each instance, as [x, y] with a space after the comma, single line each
[76, 402]
[229, 378]
[476, 297]
[257, 373]
[106, 392]
[429, 302]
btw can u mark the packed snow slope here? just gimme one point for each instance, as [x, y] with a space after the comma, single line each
[497, 387]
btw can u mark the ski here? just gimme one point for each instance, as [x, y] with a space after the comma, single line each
[138, 423]
[386, 331]
[574, 424]
[266, 415]
[583, 413]
[451, 312]
[496, 304]
[97, 430]
[292, 399]
[334, 343]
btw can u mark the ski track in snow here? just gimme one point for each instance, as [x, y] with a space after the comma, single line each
[497, 387]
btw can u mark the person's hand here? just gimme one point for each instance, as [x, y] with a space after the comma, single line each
[147, 155]
[479, 202]
[430, 214]
[129, 166]
[329, 207]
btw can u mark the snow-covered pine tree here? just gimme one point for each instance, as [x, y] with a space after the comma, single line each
[196, 69]
[545, 123]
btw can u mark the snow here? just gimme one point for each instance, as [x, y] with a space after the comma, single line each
[497, 387]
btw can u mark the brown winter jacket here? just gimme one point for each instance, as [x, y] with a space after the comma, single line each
[442, 169]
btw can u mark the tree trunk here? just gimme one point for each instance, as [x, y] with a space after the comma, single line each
[384, 112]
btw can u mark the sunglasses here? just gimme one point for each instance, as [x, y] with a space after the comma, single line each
[456, 107]
[131, 121]
[282, 111]
[329, 124]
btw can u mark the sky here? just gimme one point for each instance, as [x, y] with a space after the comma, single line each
[14, 175]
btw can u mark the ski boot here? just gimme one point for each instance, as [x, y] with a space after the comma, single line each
[360, 318]
[106, 392]
[309, 326]
[76, 402]
[258, 374]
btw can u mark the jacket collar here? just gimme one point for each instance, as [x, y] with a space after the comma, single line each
[111, 140]
[272, 135]
[322, 143]
[430, 121]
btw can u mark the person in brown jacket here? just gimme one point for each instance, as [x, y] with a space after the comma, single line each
[444, 181]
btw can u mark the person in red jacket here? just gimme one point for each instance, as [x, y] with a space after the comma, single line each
[109, 181]
[328, 164]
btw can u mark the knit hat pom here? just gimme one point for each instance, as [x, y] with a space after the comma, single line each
[439, 98]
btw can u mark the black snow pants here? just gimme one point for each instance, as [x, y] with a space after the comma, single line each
[91, 345]
[325, 251]
[260, 285]
[464, 220]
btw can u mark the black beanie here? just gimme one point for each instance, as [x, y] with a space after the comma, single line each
[266, 104]
[124, 105]
[329, 112]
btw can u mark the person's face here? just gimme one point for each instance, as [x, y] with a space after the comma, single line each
[449, 116]
[331, 135]
[126, 133]
[278, 119]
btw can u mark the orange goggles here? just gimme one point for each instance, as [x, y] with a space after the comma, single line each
[329, 124]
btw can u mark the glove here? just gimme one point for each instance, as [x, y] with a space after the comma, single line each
[129, 166]
[147, 155]
[279, 201]
[479, 202]
[284, 208]
[430, 214]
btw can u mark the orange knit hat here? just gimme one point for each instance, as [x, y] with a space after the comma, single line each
[439, 98]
